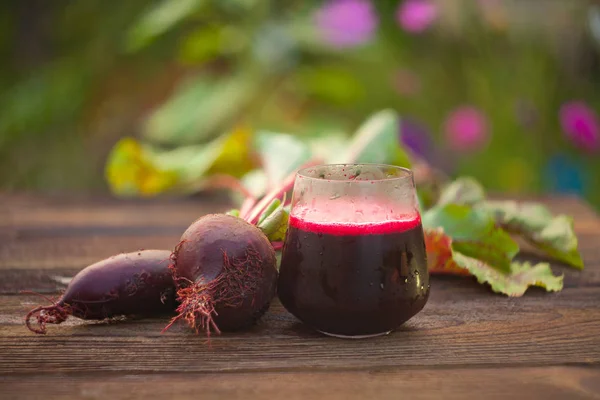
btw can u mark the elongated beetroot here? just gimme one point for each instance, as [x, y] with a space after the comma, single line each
[225, 270]
[138, 283]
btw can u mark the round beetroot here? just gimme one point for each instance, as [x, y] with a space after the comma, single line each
[138, 283]
[225, 271]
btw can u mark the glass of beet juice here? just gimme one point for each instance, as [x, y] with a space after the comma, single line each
[354, 262]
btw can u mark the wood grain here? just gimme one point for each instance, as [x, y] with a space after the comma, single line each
[514, 383]
[52, 234]
[467, 342]
[22, 211]
[459, 326]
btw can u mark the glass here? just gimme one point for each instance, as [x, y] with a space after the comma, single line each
[354, 262]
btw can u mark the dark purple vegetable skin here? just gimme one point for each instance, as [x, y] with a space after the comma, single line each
[225, 270]
[138, 283]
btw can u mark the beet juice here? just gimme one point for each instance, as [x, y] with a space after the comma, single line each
[354, 261]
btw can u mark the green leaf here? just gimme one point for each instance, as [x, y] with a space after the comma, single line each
[134, 169]
[377, 140]
[210, 41]
[190, 162]
[201, 46]
[131, 170]
[236, 157]
[199, 108]
[269, 210]
[281, 154]
[474, 233]
[327, 146]
[554, 236]
[256, 182]
[514, 283]
[228, 153]
[465, 233]
[158, 19]
[234, 212]
[443, 258]
[464, 190]
[273, 222]
[333, 84]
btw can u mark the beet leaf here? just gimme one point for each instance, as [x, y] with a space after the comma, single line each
[281, 154]
[552, 235]
[473, 233]
[443, 258]
[377, 140]
[136, 169]
[463, 190]
[273, 222]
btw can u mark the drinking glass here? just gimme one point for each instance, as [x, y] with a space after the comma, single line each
[354, 262]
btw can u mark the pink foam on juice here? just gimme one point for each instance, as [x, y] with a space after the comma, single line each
[354, 219]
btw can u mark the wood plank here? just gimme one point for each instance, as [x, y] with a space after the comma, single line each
[459, 326]
[72, 252]
[29, 211]
[571, 383]
[464, 325]
[36, 266]
[75, 252]
[59, 233]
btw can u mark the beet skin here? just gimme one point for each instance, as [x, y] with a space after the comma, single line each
[225, 270]
[138, 283]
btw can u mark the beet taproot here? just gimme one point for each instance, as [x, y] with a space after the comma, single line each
[131, 284]
[225, 271]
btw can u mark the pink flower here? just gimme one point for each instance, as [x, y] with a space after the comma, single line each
[415, 16]
[346, 23]
[466, 129]
[580, 124]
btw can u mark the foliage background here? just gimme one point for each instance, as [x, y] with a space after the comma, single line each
[505, 91]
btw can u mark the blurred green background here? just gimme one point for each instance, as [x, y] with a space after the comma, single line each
[505, 91]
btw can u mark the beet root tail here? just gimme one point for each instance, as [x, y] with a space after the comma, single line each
[197, 309]
[54, 314]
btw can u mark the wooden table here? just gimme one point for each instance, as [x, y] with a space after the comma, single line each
[466, 343]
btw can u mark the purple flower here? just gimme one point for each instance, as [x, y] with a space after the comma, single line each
[415, 16]
[580, 124]
[466, 129]
[346, 23]
[416, 137]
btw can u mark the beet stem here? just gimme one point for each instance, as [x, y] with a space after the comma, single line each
[276, 192]
[249, 202]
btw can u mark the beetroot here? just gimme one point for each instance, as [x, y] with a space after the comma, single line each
[225, 270]
[138, 283]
